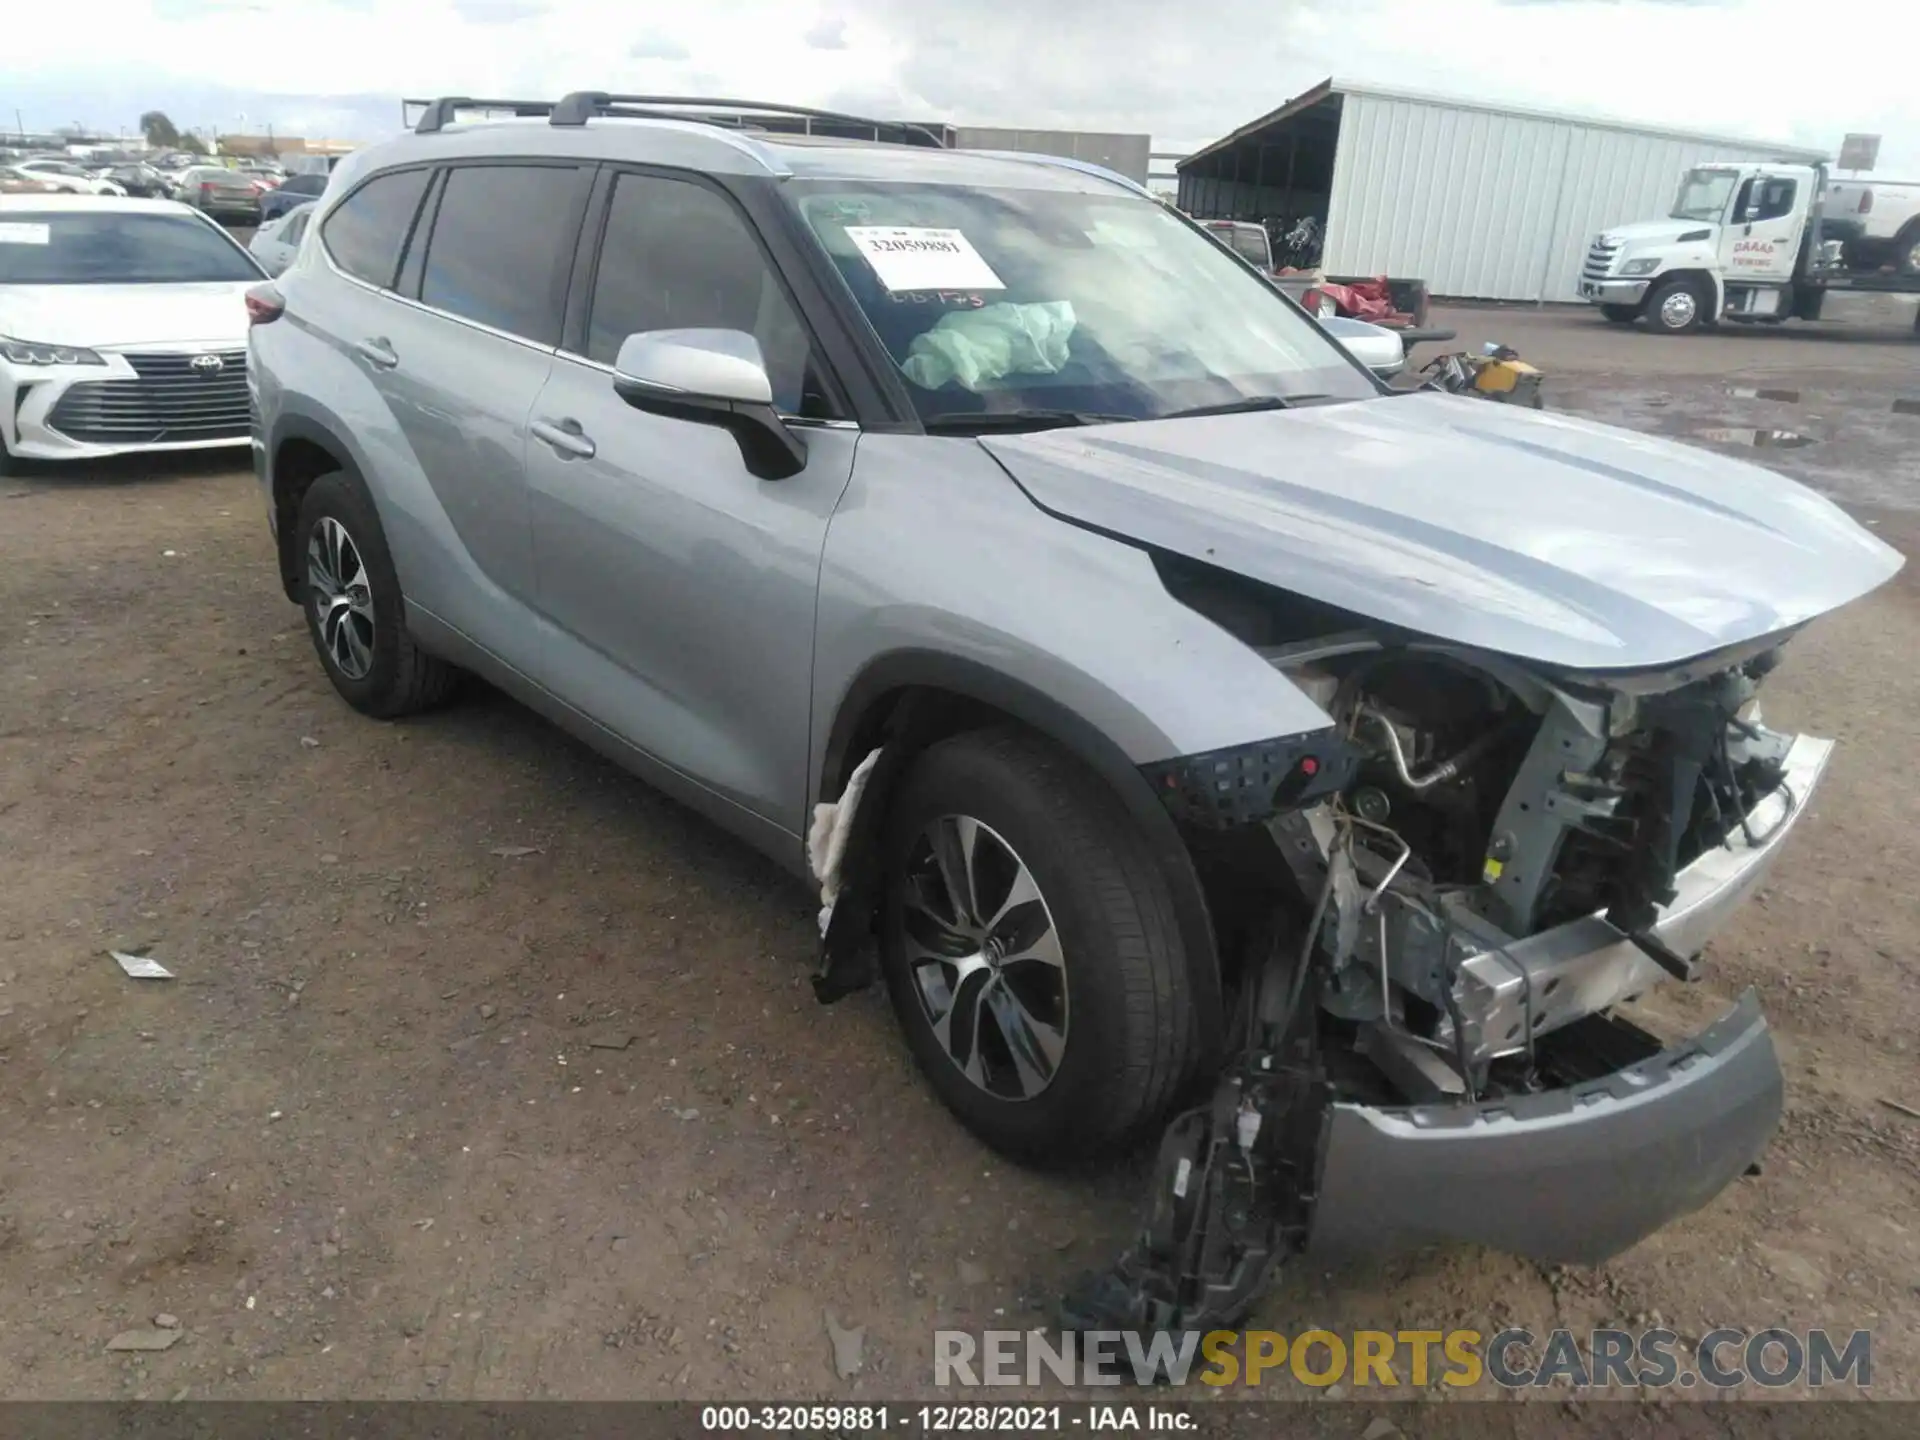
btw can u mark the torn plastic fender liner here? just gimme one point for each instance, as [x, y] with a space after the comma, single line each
[828, 836]
[1567, 1176]
[843, 850]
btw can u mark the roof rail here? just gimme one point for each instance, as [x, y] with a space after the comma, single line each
[582, 105]
[440, 113]
[1068, 162]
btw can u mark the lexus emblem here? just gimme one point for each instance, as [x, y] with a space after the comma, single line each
[209, 364]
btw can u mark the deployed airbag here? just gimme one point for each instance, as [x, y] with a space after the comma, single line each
[977, 347]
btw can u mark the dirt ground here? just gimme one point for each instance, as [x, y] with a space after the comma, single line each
[489, 1073]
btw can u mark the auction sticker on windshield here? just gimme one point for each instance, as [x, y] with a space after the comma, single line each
[22, 232]
[911, 257]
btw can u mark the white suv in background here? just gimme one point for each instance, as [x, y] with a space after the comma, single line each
[123, 327]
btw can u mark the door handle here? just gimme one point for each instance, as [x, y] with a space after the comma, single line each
[566, 438]
[377, 352]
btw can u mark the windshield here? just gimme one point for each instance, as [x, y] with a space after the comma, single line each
[1004, 302]
[1704, 195]
[72, 247]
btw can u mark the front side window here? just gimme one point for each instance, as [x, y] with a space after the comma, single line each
[115, 247]
[296, 226]
[366, 231]
[502, 247]
[1704, 195]
[1776, 200]
[1097, 303]
[677, 256]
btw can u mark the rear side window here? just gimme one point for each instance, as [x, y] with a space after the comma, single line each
[502, 247]
[366, 230]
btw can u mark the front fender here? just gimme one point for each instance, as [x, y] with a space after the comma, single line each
[940, 575]
[934, 551]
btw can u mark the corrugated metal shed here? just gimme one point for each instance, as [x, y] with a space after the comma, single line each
[1480, 201]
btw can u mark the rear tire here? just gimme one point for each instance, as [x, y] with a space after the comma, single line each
[1906, 249]
[355, 612]
[1677, 308]
[1065, 1027]
[1621, 314]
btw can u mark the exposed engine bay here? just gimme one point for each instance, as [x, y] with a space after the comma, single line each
[1490, 858]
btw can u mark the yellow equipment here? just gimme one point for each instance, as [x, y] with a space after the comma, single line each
[1497, 373]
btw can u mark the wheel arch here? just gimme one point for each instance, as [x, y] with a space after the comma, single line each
[907, 700]
[1704, 282]
[300, 451]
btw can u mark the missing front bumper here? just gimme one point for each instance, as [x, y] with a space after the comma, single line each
[1566, 1176]
[1552, 979]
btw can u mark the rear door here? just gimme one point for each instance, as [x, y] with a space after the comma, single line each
[657, 549]
[463, 360]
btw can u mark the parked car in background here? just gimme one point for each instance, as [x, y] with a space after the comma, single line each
[294, 191]
[277, 241]
[15, 181]
[268, 175]
[67, 176]
[139, 180]
[122, 327]
[219, 192]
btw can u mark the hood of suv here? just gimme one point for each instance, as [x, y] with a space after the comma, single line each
[113, 316]
[1537, 536]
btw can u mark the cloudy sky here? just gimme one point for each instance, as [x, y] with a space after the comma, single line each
[1186, 72]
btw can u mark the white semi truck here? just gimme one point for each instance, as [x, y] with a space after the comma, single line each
[1756, 244]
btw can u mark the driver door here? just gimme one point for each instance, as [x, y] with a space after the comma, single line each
[692, 580]
[1763, 242]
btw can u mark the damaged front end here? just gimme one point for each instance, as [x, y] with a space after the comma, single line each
[1491, 858]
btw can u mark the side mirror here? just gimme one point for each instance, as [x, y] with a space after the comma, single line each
[1374, 346]
[711, 377]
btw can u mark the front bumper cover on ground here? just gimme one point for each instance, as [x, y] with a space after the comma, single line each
[1573, 1175]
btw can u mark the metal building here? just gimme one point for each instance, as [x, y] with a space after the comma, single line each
[1480, 201]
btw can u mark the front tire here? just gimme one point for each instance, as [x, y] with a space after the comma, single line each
[356, 615]
[1679, 307]
[1030, 948]
[1906, 249]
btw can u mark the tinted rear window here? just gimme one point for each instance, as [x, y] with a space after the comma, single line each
[365, 233]
[70, 247]
[305, 184]
[502, 246]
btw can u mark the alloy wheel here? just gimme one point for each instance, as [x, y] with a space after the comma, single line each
[337, 589]
[985, 958]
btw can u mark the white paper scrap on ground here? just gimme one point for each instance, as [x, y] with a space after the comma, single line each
[913, 257]
[139, 967]
[24, 232]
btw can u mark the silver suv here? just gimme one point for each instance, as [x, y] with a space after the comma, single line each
[1182, 712]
